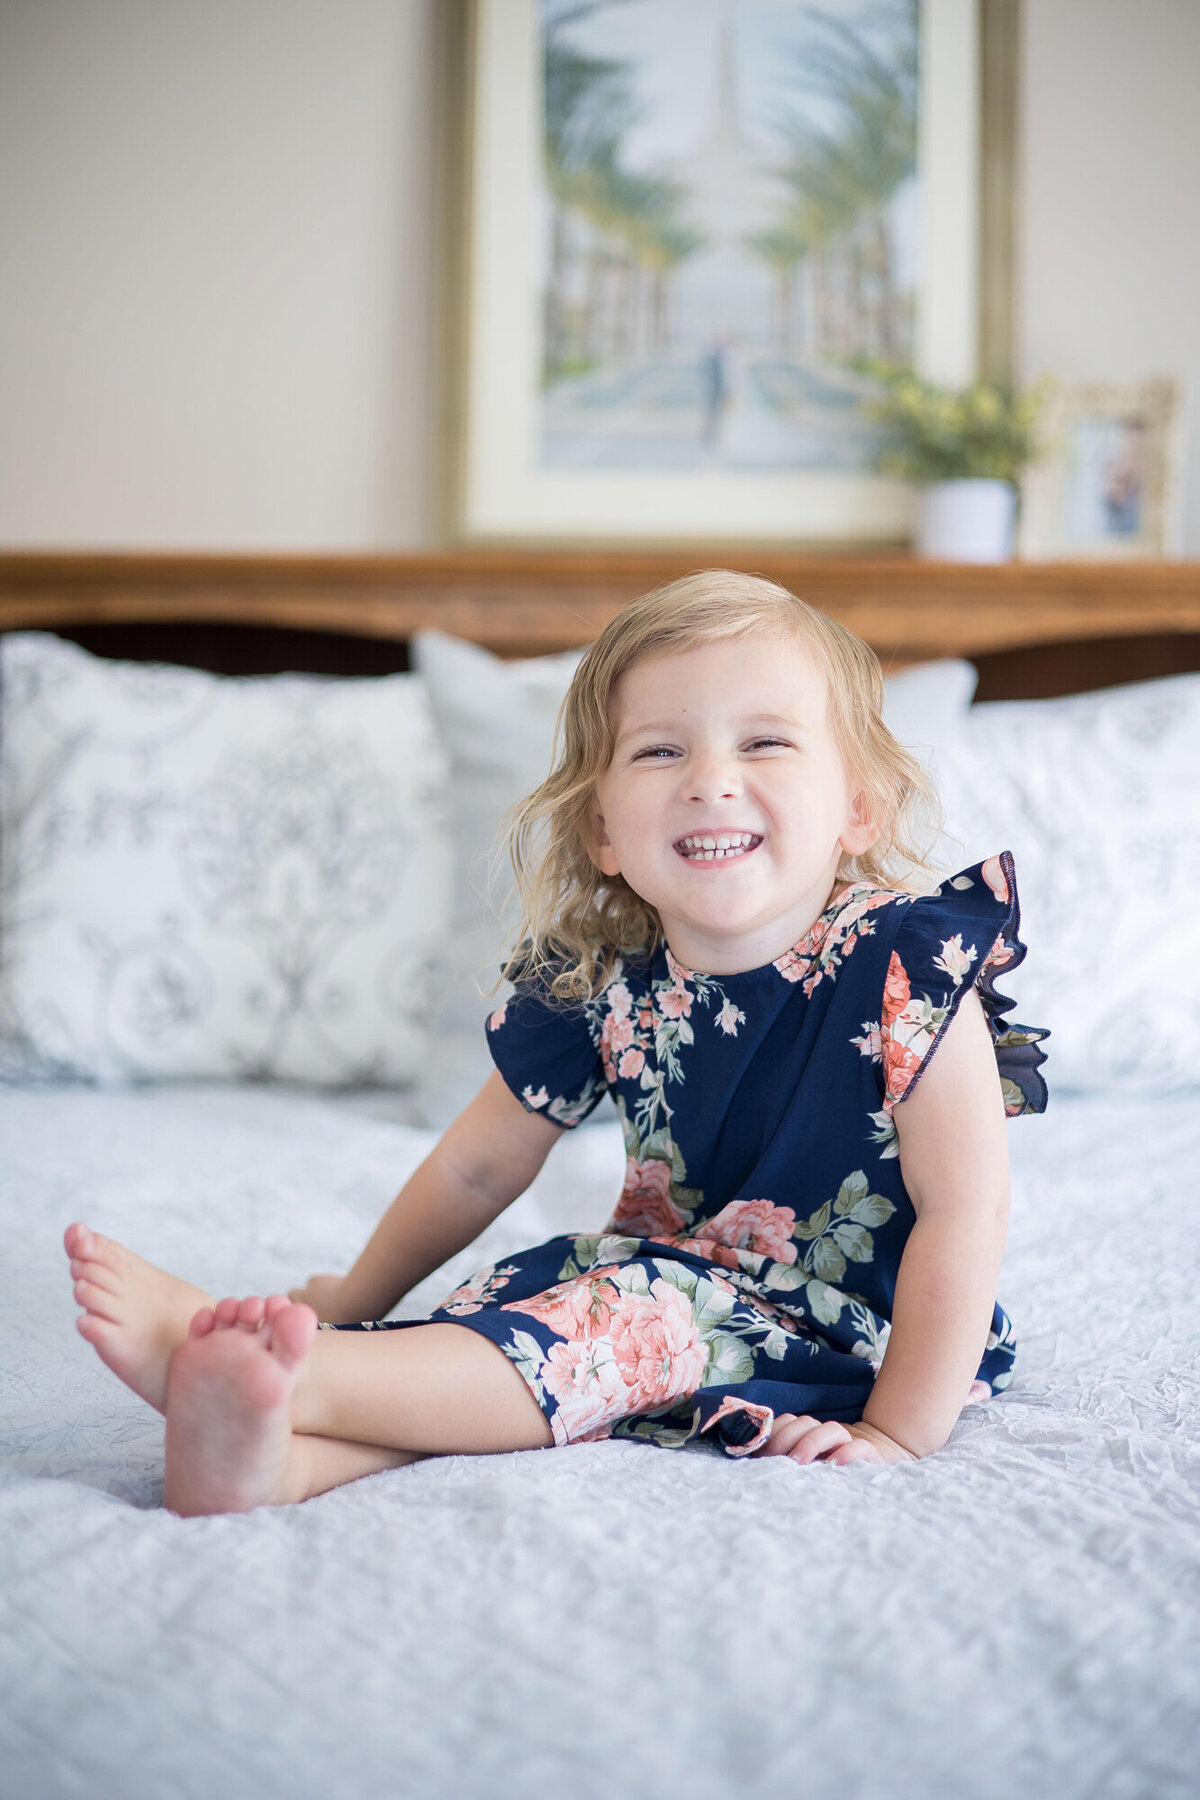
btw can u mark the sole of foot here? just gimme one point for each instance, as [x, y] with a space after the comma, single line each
[135, 1315]
[229, 1427]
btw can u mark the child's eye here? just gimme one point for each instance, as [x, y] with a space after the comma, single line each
[654, 750]
[767, 743]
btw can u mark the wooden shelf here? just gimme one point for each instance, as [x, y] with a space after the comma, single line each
[519, 602]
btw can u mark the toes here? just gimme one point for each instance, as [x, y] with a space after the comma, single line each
[202, 1322]
[275, 1305]
[250, 1312]
[97, 1300]
[75, 1239]
[95, 1329]
[293, 1329]
[99, 1249]
[96, 1273]
[227, 1312]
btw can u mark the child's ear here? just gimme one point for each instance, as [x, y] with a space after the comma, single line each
[598, 845]
[861, 831]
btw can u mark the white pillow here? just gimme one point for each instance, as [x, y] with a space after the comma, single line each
[497, 724]
[202, 876]
[1098, 798]
[923, 706]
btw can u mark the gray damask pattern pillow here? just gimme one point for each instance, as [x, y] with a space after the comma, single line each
[202, 876]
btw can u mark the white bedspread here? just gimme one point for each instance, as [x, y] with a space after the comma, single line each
[1017, 1615]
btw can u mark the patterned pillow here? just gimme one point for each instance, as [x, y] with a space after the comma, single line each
[202, 876]
[1098, 798]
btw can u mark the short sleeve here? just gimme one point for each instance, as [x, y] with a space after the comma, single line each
[546, 1054]
[947, 942]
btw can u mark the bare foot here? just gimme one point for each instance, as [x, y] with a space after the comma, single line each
[135, 1316]
[229, 1425]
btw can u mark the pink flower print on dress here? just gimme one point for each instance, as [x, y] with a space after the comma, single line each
[617, 1037]
[645, 1208]
[794, 965]
[474, 1294]
[999, 954]
[900, 1064]
[756, 1225]
[632, 1063]
[730, 1017]
[997, 880]
[497, 1018]
[954, 959]
[536, 1101]
[619, 999]
[896, 990]
[871, 1042]
[762, 1416]
[585, 1379]
[674, 1003]
[579, 1308]
[900, 1059]
[657, 1345]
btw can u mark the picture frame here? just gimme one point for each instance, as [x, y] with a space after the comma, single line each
[498, 487]
[1106, 486]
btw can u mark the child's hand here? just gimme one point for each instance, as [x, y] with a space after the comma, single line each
[322, 1293]
[806, 1439]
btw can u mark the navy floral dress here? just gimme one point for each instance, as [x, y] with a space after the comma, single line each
[750, 1265]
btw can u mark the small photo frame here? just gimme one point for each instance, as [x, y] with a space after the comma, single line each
[1107, 483]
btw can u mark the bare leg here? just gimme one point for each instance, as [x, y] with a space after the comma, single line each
[224, 1403]
[247, 1367]
[436, 1388]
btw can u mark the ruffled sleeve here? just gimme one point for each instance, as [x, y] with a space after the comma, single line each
[960, 937]
[546, 1054]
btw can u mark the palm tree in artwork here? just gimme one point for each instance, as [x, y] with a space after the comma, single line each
[636, 236]
[587, 101]
[841, 178]
[639, 217]
[783, 248]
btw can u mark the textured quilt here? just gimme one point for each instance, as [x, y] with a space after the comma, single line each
[1016, 1615]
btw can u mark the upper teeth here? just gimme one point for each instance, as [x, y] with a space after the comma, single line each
[731, 840]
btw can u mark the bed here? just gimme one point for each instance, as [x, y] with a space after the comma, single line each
[1017, 1614]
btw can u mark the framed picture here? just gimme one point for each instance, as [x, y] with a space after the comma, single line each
[1106, 485]
[695, 232]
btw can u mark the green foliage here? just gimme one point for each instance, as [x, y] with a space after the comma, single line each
[949, 434]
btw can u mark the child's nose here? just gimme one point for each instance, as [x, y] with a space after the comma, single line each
[713, 777]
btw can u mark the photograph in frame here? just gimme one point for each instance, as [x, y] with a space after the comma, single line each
[1106, 485]
[697, 231]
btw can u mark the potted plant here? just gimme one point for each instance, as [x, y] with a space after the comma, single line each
[965, 448]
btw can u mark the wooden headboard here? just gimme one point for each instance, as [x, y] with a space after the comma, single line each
[1033, 629]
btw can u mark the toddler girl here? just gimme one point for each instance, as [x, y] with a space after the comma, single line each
[804, 1256]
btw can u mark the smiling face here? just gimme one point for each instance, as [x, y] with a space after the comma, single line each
[727, 805]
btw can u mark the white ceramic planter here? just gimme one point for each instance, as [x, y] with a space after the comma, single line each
[966, 521]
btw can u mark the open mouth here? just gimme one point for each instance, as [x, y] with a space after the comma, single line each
[717, 846]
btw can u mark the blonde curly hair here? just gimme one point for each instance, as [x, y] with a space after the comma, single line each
[576, 922]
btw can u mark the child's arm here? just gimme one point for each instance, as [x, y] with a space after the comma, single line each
[485, 1159]
[954, 1156]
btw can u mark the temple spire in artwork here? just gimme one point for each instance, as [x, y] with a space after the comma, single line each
[725, 130]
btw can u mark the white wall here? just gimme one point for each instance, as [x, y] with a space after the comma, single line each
[216, 230]
[1110, 201]
[215, 226]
